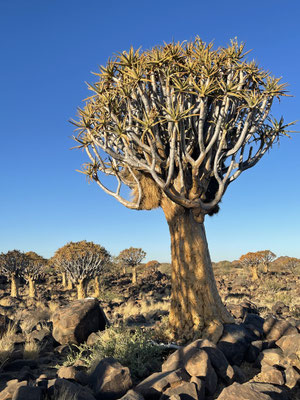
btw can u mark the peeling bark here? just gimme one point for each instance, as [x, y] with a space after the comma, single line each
[196, 307]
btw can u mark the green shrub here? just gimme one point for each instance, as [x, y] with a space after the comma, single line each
[133, 349]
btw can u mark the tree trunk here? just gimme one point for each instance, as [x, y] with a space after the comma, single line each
[64, 279]
[14, 289]
[265, 268]
[134, 275]
[81, 290]
[70, 284]
[124, 269]
[32, 291]
[254, 272]
[196, 307]
[97, 287]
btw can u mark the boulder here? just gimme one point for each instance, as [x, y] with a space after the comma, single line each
[153, 386]
[132, 395]
[292, 377]
[270, 374]
[252, 391]
[274, 329]
[110, 380]
[218, 360]
[28, 392]
[64, 389]
[199, 365]
[76, 321]
[185, 391]
[235, 342]
[271, 357]
[290, 344]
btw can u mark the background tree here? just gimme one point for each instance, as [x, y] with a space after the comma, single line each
[252, 260]
[266, 258]
[82, 261]
[132, 257]
[178, 124]
[12, 264]
[33, 270]
[290, 263]
[152, 265]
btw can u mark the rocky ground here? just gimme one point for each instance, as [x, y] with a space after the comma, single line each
[256, 358]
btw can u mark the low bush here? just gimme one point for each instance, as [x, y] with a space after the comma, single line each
[133, 349]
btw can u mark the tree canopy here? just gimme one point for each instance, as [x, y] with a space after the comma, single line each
[81, 260]
[180, 119]
[132, 256]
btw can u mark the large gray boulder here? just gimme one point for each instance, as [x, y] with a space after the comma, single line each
[76, 321]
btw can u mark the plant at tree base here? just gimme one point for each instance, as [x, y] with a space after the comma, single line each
[252, 260]
[178, 124]
[33, 270]
[132, 257]
[266, 258]
[12, 264]
[82, 261]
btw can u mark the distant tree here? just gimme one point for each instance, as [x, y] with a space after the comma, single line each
[82, 261]
[132, 257]
[266, 258]
[178, 124]
[33, 270]
[290, 263]
[152, 265]
[251, 260]
[12, 264]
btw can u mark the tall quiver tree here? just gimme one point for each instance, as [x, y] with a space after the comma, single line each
[33, 271]
[179, 123]
[82, 261]
[132, 257]
[267, 256]
[12, 264]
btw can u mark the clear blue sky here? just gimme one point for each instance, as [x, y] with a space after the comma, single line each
[49, 48]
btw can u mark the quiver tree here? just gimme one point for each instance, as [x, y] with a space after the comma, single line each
[252, 260]
[267, 256]
[33, 271]
[12, 264]
[131, 258]
[152, 265]
[82, 261]
[178, 124]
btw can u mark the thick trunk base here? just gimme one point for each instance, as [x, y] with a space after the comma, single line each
[81, 290]
[254, 273]
[32, 290]
[96, 287]
[14, 288]
[134, 275]
[64, 279]
[196, 307]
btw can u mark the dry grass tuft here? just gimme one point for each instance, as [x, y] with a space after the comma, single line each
[31, 350]
[7, 343]
[144, 307]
